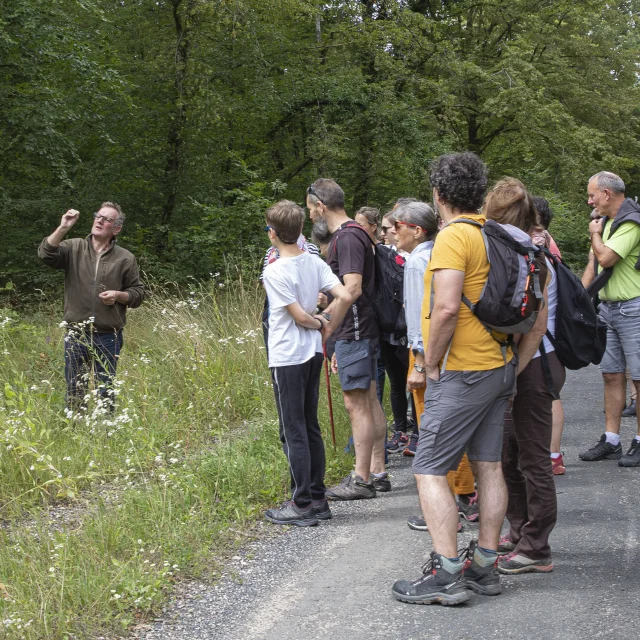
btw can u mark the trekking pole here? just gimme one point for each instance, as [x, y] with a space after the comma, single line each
[326, 375]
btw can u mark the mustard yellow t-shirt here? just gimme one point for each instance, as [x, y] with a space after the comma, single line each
[461, 247]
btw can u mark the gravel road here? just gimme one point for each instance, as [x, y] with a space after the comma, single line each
[334, 581]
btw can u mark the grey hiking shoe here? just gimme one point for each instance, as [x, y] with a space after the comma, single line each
[290, 513]
[630, 411]
[435, 585]
[381, 483]
[505, 545]
[483, 580]
[420, 524]
[632, 457]
[353, 487]
[602, 450]
[518, 563]
[322, 509]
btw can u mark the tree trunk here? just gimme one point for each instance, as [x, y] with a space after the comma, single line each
[183, 24]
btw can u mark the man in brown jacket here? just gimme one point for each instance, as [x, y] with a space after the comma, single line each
[101, 281]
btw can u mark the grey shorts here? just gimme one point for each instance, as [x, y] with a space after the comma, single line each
[623, 337]
[463, 411]
[357, 363]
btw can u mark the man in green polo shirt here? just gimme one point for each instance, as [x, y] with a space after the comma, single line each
[615, 243]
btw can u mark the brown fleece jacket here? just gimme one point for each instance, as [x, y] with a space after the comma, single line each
[87, 274]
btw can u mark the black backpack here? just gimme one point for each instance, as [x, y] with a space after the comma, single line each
[389, 277]
[580, 338]
[512, 295]
[389, 302]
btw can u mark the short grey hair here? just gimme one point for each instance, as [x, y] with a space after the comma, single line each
[608, 180]
[328, 192]
[419, 213]
[116, 207]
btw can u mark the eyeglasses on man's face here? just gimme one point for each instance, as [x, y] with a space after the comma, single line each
[102, 218]
[384, 230]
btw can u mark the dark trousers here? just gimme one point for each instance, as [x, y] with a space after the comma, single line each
[90, 354]
[296, 389]
[526, 463]
[396, 363]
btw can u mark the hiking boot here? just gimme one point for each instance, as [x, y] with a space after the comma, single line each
[630, 411]
[519, 563]
[381, 482]
[505, 545]
[557, 466]
[412, 446]
[397, 442]
[321, 507]
[602, 450]
[468, 506]
[353, 487]
[419, 524]
[632, 457]
[484, 580]
[435, 585]
[290, 513]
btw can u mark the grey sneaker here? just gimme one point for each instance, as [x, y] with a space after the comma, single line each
[630, 411]
[518, 563]
[290, 513]
[505, 545]
[483, 580]
[632, 457]
[435, 585]
[420, 524]
[602, 450]
[381, 483]
[353, 487]
[322, 509]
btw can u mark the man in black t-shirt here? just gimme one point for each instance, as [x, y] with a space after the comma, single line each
[351, 258]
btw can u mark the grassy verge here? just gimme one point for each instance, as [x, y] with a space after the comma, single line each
[189, 457]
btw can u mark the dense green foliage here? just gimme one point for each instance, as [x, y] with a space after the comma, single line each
[196, 114]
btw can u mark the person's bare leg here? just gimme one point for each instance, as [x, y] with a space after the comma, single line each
[440, 511]
[492, 501]
[614, 398]
[358, 405]
[557, 425]
[380, 431]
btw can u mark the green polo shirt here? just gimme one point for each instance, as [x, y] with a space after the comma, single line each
[624, 283]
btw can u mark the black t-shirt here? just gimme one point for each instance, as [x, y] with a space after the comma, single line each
[351, 251]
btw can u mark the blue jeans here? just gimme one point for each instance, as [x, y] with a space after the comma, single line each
[90, 354]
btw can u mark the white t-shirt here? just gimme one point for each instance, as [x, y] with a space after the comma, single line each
[289, 280]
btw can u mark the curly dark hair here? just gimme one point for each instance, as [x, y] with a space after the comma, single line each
[460, 180]
[544, 210]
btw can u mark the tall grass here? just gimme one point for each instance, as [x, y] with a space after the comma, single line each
[157, 490]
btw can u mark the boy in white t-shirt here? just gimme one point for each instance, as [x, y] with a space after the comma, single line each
[292, 283]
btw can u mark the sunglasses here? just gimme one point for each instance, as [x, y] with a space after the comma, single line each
[407, 224]
[312, 192]
[384, 229]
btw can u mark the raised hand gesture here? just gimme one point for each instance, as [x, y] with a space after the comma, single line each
[69, 219]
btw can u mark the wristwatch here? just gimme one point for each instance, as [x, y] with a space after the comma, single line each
[418, 368]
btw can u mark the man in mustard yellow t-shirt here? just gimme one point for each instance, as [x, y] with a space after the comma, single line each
[469, 384]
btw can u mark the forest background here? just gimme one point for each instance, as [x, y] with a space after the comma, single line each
[195, 115]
